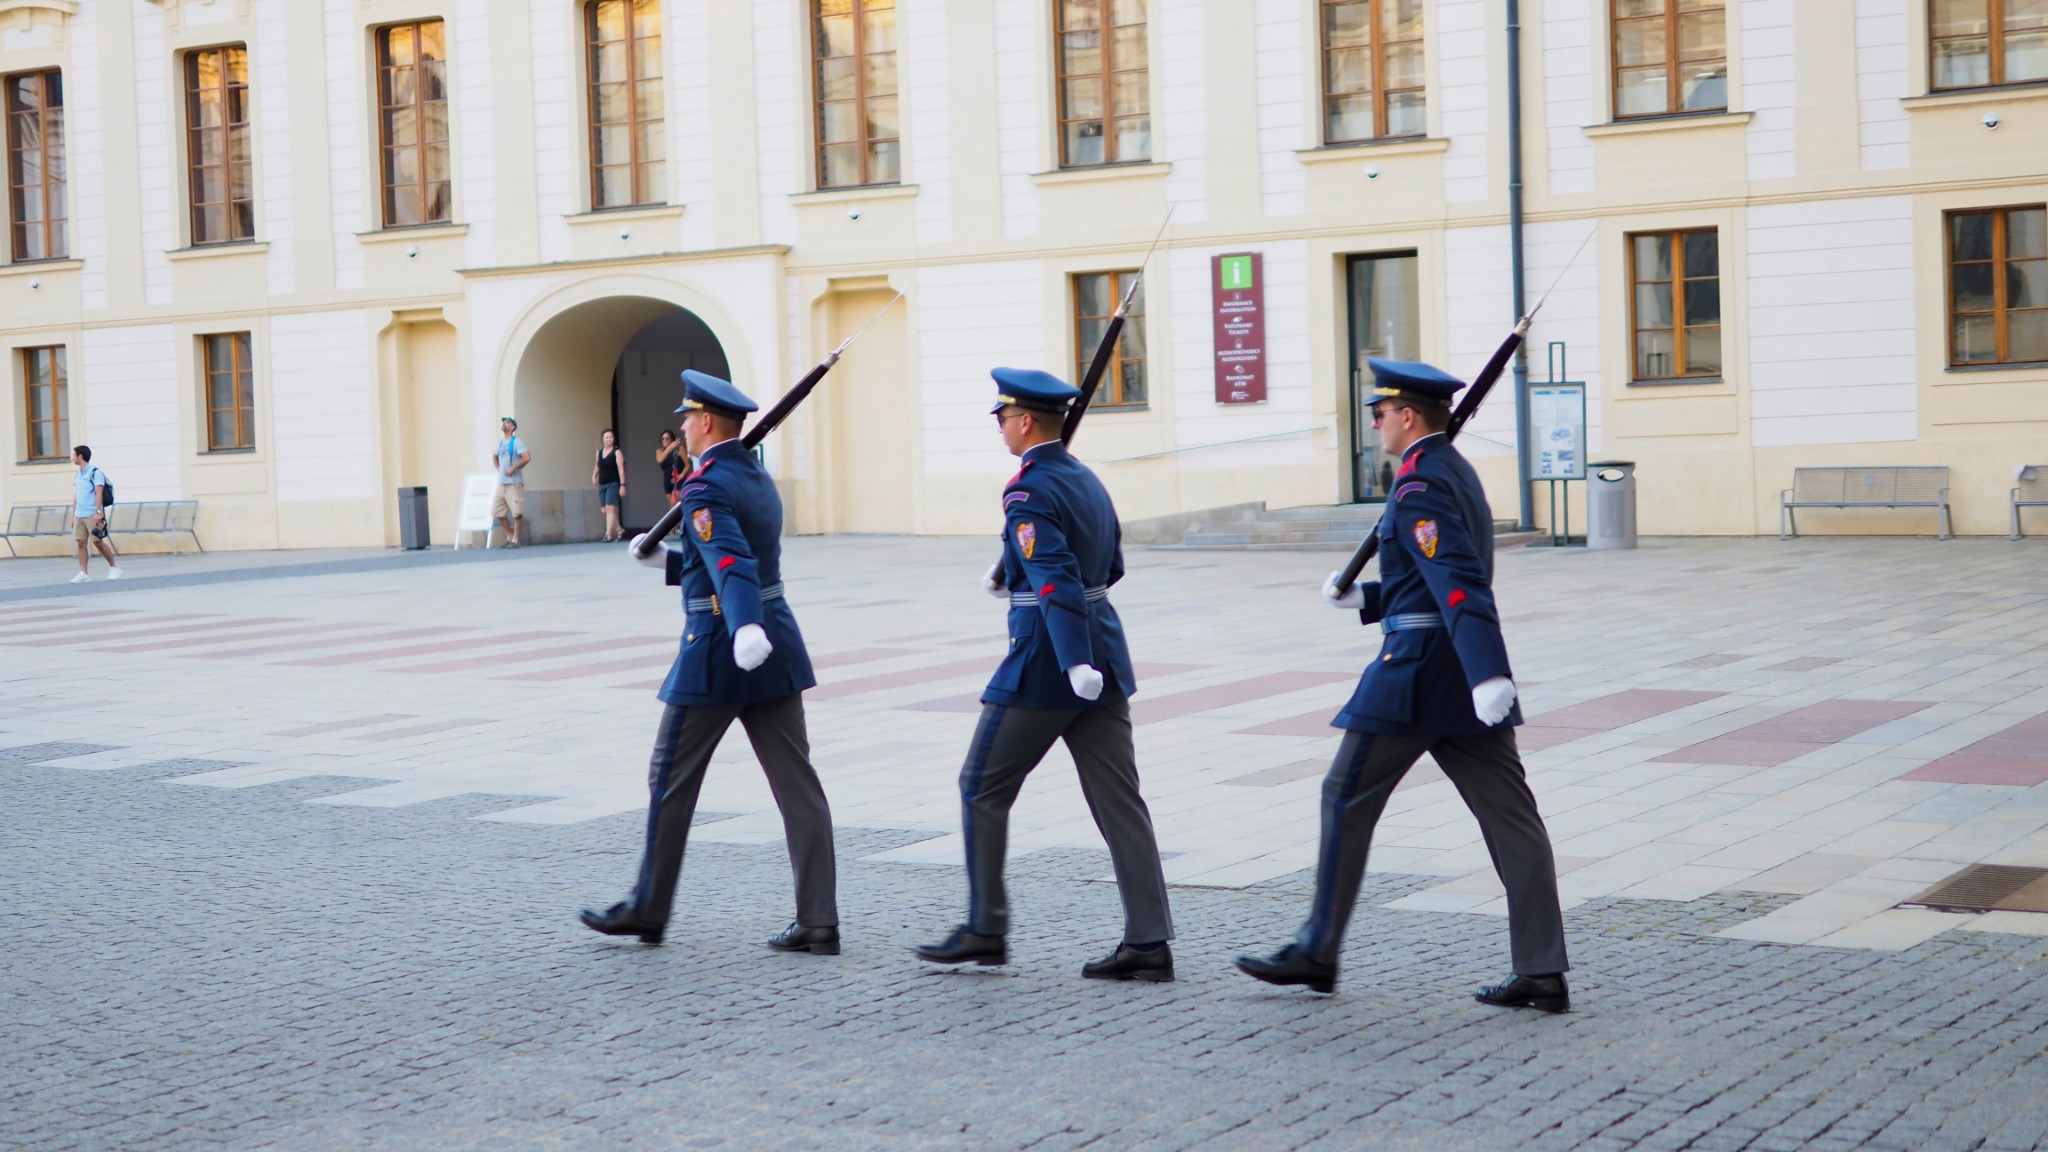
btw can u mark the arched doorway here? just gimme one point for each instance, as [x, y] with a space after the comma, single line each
[616, 363]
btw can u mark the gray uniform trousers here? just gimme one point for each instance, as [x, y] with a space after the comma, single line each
[1487, 771]
[1008, 743]
[682, 750]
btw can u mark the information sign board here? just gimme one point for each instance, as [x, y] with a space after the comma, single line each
[1557, 430]
[478, 492]
[1237, 285]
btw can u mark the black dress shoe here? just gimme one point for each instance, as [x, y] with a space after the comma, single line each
[1543, 993]
[1154, 962]
[618, 920]
[816, 941]
[1290, 965]
[963, 946]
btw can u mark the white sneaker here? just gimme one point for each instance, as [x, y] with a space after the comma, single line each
[80, 578]
[113, 573]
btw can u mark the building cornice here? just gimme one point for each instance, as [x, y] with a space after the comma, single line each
[701, 256]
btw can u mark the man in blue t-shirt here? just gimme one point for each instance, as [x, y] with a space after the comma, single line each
[89, 506]
[510, 505]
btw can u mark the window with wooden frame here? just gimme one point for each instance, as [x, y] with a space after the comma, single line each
[230, 392]
[35, 167]
[412, 123]
[1095, 299]
[221, 184]
[1372, 70]
[1982, 43]
[854, 44]
[1998, 286]
[1104, 81]
[1670, 57]
[627, 152]
[1675, 304]
[44, 382]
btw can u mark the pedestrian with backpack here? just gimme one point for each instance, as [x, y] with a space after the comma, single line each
[94, 496]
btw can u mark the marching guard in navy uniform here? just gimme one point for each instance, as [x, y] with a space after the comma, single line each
[1067, 675]
[1440, 684]
[743, 659]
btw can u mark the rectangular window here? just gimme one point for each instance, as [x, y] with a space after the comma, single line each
[1979, 43]
[1675, 305]
[855, 47]
[1095, 299]
[412, 123]
[230, 394]
[627, 152]
[1670, 56]
[1372, 70]
[1385, 321]
[1998, 286]
[43, 385]
[223, 186]
[1105, 94]
[35, 166]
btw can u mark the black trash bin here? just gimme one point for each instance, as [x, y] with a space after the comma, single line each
[412, 518]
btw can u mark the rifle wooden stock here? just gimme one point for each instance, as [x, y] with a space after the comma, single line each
[1474, 396]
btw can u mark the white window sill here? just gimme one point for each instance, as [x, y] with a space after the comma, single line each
[412, 233]
[603, 216]
[1373, 149]
[1967, 97]
[861, 194]
[1101, 173]
[1678, 122]
[40, 267]
[219, 251]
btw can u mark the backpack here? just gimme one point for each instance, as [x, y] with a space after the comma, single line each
[106, 484]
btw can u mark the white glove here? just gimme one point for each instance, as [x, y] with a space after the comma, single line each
[1085, 681]
[1492, 700]
[993, 582]
[659, 558]
[1353, 599]
[750, 647]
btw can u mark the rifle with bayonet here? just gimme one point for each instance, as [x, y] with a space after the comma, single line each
[776, 414]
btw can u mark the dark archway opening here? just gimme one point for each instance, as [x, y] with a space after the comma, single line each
[646, 387]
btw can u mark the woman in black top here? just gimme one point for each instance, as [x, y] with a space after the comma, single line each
[611, 484]
[673, 461]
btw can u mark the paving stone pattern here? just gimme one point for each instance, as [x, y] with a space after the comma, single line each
[180, 970]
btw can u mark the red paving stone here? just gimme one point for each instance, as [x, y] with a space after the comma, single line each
[649, 662]
[861, 656]
[499, 659]
[2016, 757]
[903, 679]
[1175, 705]
[334, 642]
[434, 649]
[1769, 743]
[70, 634]
[231, 638]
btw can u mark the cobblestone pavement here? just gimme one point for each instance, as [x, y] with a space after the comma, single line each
[292, 862]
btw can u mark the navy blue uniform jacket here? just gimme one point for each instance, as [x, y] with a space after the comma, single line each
[1060, 538]
[732, 548]
[1436, 555]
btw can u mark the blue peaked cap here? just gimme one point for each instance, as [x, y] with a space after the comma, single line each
[1030, 388]
[702, 390]
[1412, 380]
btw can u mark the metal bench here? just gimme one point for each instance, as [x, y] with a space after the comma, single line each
[171, 516]
[1881, 487]
[36, 520]
[2031, 493]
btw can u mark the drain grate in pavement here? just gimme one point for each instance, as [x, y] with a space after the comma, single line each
[1988, 888]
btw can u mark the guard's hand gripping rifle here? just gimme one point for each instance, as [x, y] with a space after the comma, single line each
[776, 414]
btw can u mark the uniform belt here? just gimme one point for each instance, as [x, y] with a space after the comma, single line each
[1028, 599]
[710, 603]
[1411, 621]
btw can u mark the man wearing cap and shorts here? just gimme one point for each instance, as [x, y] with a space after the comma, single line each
[1440, 684]
[1067, 676]
[509, 506]
[742, 659]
